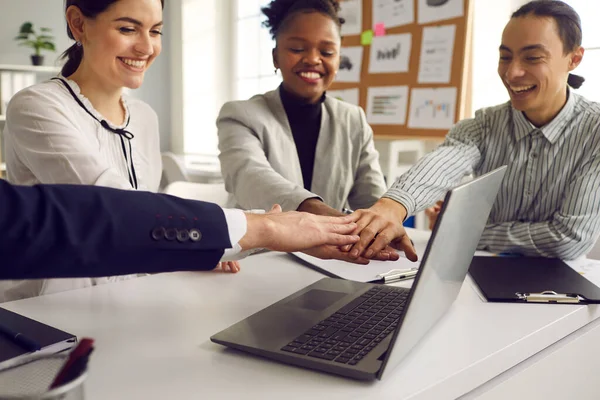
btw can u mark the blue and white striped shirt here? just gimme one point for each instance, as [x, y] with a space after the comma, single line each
[549, 202]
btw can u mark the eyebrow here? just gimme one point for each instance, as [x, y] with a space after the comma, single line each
[526, 48]
[135, 21]
[328, 42]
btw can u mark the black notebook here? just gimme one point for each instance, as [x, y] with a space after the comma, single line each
[51, 340]
[532, 280]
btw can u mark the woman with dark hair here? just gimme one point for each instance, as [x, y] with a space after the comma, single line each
[80, 128]
[548, 135]
[296, 146]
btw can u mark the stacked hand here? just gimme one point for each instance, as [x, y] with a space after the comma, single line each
[296, 231]
[379, 227]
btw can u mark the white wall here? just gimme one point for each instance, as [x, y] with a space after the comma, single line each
[42, 13]
[50, 13]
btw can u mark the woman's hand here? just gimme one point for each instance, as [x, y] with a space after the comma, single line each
[229, 266]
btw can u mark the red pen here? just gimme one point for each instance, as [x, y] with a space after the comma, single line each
[73, 364]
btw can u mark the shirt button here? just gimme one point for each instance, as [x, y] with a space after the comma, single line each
[534, 155]
[195, 235]
[171, 234]
[158, 233]
[183, 235]
[528, 193]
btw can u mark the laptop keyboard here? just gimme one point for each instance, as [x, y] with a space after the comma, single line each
[349, 334]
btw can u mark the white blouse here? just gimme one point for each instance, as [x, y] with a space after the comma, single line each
[49, 138]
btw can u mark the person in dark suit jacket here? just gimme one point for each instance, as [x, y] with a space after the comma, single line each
[60, 231]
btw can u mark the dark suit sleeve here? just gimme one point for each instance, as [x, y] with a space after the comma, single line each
[59, 231]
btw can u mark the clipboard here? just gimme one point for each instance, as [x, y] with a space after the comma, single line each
[531, 280]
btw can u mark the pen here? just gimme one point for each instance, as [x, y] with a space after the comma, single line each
[20, 339]
[75, 364]
[396, 277]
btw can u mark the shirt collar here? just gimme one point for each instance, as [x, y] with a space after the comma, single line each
[551, 130]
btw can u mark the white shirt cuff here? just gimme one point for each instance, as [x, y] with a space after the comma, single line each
[237, 225]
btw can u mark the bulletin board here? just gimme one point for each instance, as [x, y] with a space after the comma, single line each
[427, 87]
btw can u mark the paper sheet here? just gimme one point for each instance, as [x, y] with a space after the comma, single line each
[589, 269]
[348, 95]
[350, 64]
[390, 53]
[432, 108]
[356, 272]
[393, 12]
[351, 11]
[387, 105]
[438, 10]
[436, 54]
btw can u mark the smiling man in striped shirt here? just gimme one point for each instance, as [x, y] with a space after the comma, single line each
[549, 136]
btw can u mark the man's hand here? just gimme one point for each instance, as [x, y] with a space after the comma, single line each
[433, 213]
[380, 226]
[296, 231]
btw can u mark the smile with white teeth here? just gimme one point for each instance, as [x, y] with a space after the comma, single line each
[522, 89]
[134, 63]
[310, 75]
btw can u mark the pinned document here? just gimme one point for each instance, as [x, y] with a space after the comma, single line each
[436, 54]
[350, 64]
[390, 53]
[438, 10]
[393, 12]
[351, 11]
[387, 105]
[432, 108]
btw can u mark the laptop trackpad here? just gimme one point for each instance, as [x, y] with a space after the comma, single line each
[316, 299]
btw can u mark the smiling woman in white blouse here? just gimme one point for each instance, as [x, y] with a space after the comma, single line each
[79, 128]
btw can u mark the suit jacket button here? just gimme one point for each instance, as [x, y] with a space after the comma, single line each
[158, 233]
[183, 235]
[171, 234]
[195, 235]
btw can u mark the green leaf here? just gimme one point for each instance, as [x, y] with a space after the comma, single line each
[28, 43]
[45, 37]
[27, 27]
[45, 29]
[48, 46]
[22, 36]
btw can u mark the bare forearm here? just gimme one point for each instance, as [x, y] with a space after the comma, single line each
[316, 206]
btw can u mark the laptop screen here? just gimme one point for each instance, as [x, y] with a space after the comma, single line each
[446, 261]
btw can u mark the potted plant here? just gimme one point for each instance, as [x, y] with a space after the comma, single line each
[29, 38]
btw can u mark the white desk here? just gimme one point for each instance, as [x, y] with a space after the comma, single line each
[152, 337]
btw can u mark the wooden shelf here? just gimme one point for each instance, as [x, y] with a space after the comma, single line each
[30, 68]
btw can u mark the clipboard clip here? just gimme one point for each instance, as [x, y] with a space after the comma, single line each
[550, 296]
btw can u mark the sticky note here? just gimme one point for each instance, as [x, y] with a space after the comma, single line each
[366, 38]
[380, 29]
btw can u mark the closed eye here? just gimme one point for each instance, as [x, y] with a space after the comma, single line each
[126, 30]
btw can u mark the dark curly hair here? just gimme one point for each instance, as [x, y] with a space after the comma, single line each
[278, 12]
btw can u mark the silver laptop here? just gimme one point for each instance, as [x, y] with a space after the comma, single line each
[363, 330]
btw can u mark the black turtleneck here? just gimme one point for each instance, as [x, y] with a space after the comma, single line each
[305, 122]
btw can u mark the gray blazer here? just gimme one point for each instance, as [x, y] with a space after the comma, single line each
[260, 163]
